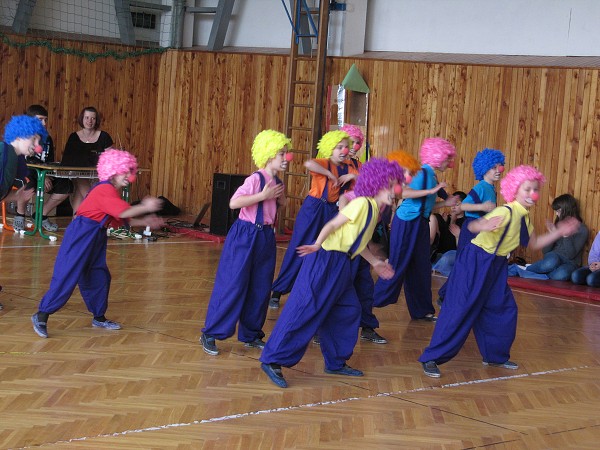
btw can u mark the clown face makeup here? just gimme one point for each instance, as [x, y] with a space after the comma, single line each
[120, 180]
[356, 146]
[494, 174]
[280, 162]
[528, 193]
[28, 146]
[340, 152]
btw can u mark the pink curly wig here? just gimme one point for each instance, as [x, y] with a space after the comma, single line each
[434, 151]
[406, 160]
[509, 185]
[115, 162]
[354, 132]
[377, 174]
[329, 141]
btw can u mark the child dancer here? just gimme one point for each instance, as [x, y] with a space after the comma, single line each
[323, 298]
[478, 296]
[329, 172]
[357, 137]
[488, 166]
[81, 259]
[249, 251]
[409, 240]
[22, 135]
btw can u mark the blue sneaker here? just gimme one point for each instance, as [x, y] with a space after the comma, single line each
[107, 324]
[346, 370]
[274, 373]
[505, 365]
[39, 327]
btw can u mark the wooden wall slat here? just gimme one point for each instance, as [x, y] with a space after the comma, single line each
[188, 114]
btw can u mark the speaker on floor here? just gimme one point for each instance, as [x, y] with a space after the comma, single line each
[221, 217]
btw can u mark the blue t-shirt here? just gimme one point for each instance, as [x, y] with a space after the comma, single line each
[410, 208]
[486, 193]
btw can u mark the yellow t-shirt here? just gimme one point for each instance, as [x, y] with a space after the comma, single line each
[488, 240]
[356, 211]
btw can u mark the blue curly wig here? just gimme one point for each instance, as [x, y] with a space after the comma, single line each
[24, 127]
[485, 160]
[377, 174]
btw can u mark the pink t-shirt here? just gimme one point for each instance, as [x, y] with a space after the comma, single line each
[251, 186]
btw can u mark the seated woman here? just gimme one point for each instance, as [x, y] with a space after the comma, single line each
[445, 228]
[564, 256]
[590, 274]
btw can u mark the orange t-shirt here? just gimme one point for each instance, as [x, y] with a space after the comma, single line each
[317, 185]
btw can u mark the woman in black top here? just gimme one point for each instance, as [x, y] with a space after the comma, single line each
[83, 148]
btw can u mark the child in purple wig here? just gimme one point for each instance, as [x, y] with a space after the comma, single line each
[323, 300]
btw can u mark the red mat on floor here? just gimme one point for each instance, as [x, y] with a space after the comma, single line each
[199, 234]
[562, 288]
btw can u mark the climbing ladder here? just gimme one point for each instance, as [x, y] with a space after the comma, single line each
[304, 106]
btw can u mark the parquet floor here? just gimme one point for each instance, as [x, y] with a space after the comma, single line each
[150, 385]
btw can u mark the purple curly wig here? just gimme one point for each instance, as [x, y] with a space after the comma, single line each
[115, 162]
[377, 174]
[485, 160]
[24, 127]
[434, 151]
[354, 132]
[509, 185]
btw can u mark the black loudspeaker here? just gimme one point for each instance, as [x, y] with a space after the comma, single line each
[221, 217]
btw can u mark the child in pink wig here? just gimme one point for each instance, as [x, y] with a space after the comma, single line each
[409, 236]
[323, 299]
[358, 138]
[81, 259]
[478, 296]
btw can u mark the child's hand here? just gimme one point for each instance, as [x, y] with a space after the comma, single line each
[383, 269]
[346, 178]
[488, 206]
[304, 250]
[453, 200]
[441, 185]
[270, 191]
[594, 266]
[568, 226]
[151, 204]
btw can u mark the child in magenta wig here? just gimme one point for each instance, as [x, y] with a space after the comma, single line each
[358, 138]
[323, 300]
[410, 237]
[478, 296]
[81, 259]
[249, 253]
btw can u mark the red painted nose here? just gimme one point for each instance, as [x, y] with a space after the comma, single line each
[356, 147]
[500, 169]
[132, 177]
[344, 152]
[289, 157]
[450, 164]
[407, 179]
[397, 189]
[535, 196]
[38, 149]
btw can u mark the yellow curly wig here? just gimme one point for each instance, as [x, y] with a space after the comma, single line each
[406, 160]
[266, 145]
[329, 141]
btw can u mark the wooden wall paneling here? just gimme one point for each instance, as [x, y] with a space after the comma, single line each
[566, 168]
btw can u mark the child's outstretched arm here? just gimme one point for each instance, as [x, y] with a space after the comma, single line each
[564, 228]
[382, 267]
[408, 192]
[317, 168]
[146, 206]
[329, 228]
[485, 206]
[485, 224]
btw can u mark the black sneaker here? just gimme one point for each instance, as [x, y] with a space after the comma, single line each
[505, 365]
[346, 370]
[316, 339]
[439, 301]
[39, 327]
[431, 369]
[208, 344]
[274, 301]
[256, 343]
[369, 334]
